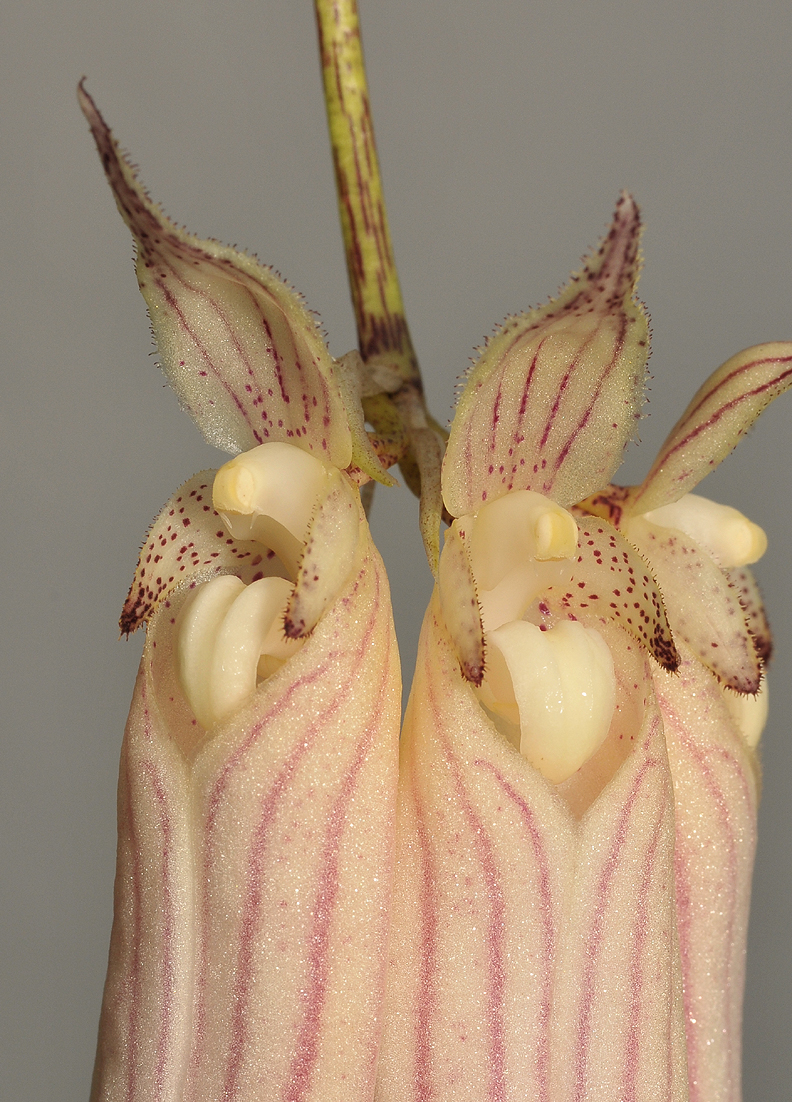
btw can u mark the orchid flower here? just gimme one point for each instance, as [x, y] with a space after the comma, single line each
[578, 783]
[546, 896]
[258, 771]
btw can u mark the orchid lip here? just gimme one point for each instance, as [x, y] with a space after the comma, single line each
[558, 686]
[228, 634]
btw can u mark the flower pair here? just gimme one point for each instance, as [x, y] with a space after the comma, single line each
[547, 895]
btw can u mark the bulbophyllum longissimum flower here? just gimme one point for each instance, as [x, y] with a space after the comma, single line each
[578, 779]
[554, 904]
[258, 772]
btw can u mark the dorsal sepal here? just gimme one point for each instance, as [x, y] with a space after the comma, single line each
[553, 400]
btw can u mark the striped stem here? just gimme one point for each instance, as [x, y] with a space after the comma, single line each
[374, 282]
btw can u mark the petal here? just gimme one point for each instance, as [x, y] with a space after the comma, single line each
[187, 543]
[703, 609]
[715, 792]
[721, 412]
[741, 577]
[521, 936]
[611, 579]
[328, 556]
[144, 1030]
[250, 932]
[461, 610]
[554, 398]
[242, 352]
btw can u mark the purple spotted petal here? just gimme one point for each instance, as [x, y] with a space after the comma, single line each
[703, 608]
[188, 542]
[721, 412]
[242, 352]
[612, 580]
[743, 580]
[554, 398]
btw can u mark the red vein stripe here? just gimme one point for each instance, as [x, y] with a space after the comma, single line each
[686, 859]
[594, 941]
[425, 1036]
[254, 371]
[428, 966]
[133, 981]
[149, 776]
[638, 979]
[502, 435]
[154, 232]
[533, 834]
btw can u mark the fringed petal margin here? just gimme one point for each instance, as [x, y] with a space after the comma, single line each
[243, 353]
[703, 607]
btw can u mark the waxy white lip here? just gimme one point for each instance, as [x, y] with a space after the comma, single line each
[558, 685]
[224, 630]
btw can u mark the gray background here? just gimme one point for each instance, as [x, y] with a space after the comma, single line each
[505, 131]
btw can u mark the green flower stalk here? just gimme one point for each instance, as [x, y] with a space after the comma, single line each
[546, 894]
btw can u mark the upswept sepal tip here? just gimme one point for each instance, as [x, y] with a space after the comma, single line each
[554, 398]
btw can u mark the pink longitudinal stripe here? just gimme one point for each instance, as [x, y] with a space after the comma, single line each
[685, 915]
[496, 957]
[586, 415]
[150, 228]
[427, 967]
[637, 978]
[235, 762]
[165, 1003]
[178, 312]
[595, 937]
[168, 990]
[307, 1051]
[250, 924]
[134, 979]
[517, 437]
[277, 359]
[545, 896]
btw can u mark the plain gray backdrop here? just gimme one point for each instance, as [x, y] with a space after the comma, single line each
[505, 130]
